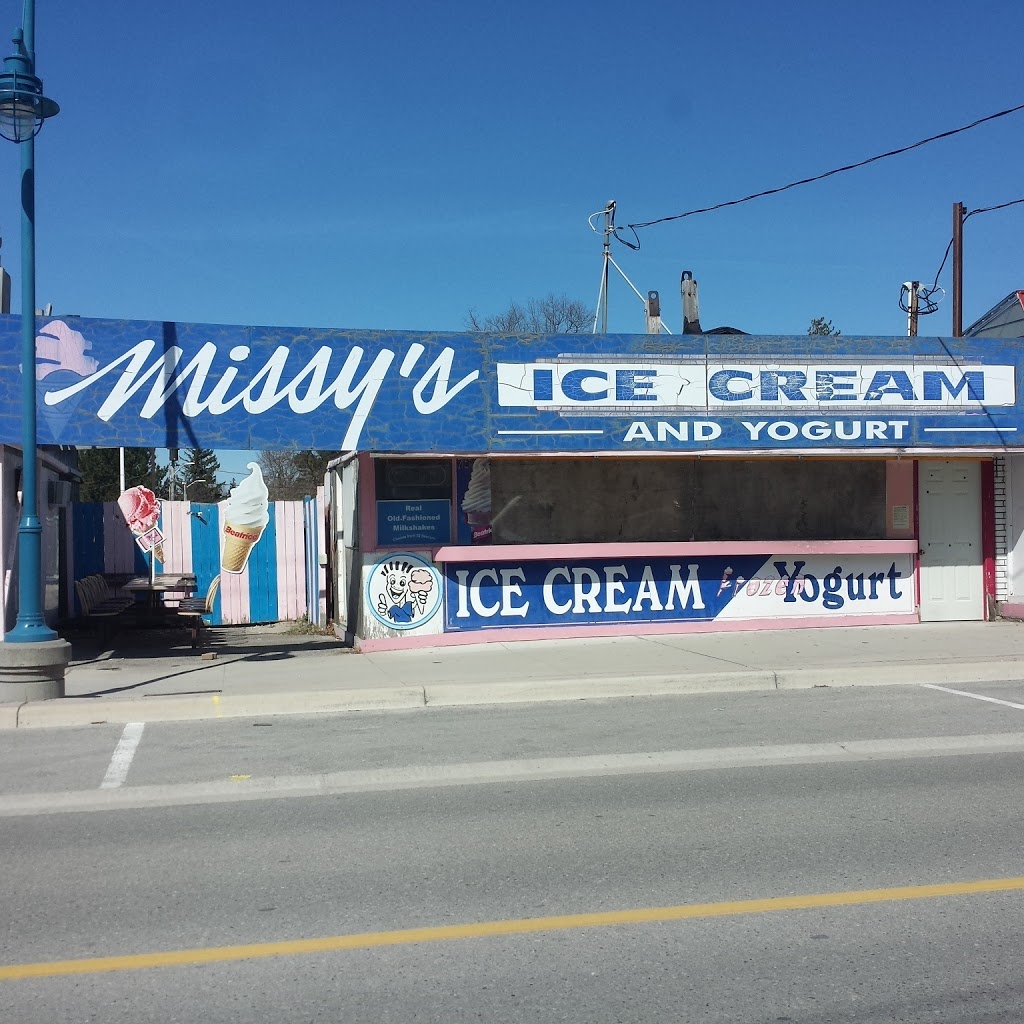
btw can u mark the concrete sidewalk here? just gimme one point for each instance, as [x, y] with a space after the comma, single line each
[265, 673]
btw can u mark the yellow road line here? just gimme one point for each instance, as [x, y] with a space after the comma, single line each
[444, 933]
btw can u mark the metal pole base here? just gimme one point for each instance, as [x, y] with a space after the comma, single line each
[33, 671]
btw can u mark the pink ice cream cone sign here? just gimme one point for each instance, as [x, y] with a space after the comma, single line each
[141, 510]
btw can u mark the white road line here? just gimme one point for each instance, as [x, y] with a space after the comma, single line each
[393, 780]
[117, 771]
[976, 696]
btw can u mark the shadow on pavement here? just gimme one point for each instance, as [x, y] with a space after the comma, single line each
[174, 645]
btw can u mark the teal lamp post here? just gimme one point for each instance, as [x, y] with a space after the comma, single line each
[23, 109]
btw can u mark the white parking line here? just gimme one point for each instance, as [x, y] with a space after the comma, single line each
[976, 696]
[117, 770]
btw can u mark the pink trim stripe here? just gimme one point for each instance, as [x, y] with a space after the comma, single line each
[177, 527]
[550, 552]
[484, 636]
[291, 560]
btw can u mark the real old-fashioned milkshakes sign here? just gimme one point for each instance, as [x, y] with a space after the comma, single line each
[117, 382]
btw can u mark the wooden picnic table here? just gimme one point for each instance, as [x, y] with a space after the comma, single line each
[162, 583]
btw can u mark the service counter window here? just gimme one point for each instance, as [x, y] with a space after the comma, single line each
[414, 502]
[607, 500]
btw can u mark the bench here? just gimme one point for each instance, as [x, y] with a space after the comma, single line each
[194, 608]
[98, 602]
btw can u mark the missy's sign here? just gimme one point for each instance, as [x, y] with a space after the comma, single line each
[489, 595]
[137, 383]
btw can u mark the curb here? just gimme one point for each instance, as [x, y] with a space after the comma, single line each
[913, 673]
[535, 690]
[78, 711]
[81, 711]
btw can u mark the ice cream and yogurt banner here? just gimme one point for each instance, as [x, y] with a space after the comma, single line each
[698, 589]
[403, 591]
[163, 384]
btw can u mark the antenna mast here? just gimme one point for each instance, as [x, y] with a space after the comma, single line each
[601, 312]
[651, 304]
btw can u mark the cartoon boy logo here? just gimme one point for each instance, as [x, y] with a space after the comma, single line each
[402, 591]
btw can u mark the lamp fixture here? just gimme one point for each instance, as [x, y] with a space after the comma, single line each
[23, 107]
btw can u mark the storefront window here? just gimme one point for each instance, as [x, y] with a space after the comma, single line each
[603, 500]
[414, 502]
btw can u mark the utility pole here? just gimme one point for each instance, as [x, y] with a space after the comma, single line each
[601, 314]
[913, 287]
[959, 215]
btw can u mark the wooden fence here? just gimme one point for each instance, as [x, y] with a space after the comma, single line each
[283, 580]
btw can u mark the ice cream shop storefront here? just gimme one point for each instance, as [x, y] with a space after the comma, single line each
[637, 484]
[499, 487]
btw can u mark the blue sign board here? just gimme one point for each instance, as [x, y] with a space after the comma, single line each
[412, 523]
[141, 383]
[700, 589]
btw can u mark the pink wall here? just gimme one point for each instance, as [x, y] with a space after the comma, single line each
[899, 495]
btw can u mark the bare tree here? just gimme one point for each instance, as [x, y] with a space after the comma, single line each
[292, 475]
[553, 314]
[281, 475]
[823, 327]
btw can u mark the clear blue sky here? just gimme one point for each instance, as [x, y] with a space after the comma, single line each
[390, 165]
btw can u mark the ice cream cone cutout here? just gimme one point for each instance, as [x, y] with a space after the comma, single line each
[243, 518]
[141, 510]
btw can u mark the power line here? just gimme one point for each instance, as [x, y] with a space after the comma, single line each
[942, 264]
[927, 292]
[828, 174]
[989, 209]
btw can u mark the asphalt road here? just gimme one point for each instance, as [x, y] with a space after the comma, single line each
[653, 813]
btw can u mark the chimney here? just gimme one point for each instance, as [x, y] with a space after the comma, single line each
[691, 311]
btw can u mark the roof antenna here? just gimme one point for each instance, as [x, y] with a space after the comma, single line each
[601, 312]
[652, 308]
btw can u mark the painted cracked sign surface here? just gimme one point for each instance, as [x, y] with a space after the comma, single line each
[148, 383]
[700, 589]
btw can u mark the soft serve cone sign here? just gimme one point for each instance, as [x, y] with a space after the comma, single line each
[244, 517]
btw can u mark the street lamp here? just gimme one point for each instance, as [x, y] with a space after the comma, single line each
[23, 108]
[188, 484]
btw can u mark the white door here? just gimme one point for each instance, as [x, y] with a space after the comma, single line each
[949, 538]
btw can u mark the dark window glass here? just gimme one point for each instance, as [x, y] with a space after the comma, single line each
[413, 479]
